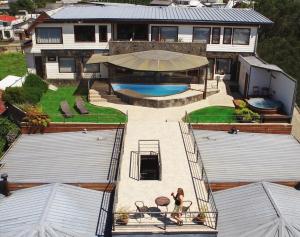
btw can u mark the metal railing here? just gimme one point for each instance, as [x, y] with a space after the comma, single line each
[161, 220]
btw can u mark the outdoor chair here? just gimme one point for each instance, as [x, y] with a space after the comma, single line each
[81, 106]
[186, 206]
[141, 209]
[65, 108]
[255, 90]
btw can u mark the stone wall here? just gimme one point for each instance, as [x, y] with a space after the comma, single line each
[120, 47]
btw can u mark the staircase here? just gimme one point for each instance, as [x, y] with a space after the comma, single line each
[95, 97]
[100, 90]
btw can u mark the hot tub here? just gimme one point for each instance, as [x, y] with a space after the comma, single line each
[264, 105]
[152, 89]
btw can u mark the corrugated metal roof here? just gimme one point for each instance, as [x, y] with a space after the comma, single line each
[260, 210]
[256, 62]
[249, 157]
[68, 157]
[54, 210]
[156, 13]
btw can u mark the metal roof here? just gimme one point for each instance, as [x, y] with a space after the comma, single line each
[248, 157]
[53, 210]
[257, 62]
[68, 157]
[260, 210]
[158, 13]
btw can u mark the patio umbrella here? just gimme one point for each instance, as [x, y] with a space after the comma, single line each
[153, 60]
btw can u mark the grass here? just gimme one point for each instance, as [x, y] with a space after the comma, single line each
[12, 64]
[213, 114]
[50, 104]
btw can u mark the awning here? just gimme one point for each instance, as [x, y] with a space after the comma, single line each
[152, 60]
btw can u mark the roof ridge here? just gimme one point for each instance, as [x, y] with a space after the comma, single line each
[272, 200]
[48, 203]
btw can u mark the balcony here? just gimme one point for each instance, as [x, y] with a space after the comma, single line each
[120, 47]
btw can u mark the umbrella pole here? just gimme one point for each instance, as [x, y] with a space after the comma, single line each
[205, 83]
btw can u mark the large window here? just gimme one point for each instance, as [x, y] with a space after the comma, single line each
[227, 36]
[48, 35]
[223, 66]
[103, 33]
[67, 65]
[215, 38]
[164, 33]
[201, 35]
[84, 33]
[241, 36]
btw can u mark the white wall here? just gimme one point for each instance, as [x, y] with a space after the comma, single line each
[259, 77]
[69, 40]
[244, 68]
[283, 89]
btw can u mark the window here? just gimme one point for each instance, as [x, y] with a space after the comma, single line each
[51, 59]
[216, 35]
[227, 36]
[90, 68]
[7, 34]
[103, 33]
[48, 35]
[164, 33]
[223, 66]
[84, 33]
[241, 36]
[67, 65]
[201, 35]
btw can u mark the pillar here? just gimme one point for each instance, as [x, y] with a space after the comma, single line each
[205, 82]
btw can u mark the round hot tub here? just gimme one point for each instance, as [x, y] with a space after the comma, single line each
[264, 105]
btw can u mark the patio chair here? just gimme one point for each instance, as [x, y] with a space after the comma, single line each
[65, 108]
[186, 207]
[141, 209]
[255, 90]
[81, 106]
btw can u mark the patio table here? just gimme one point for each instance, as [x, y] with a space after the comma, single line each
[162, 201]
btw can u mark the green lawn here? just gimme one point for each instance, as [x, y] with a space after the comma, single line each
[213, 114]
[50, 105]
[12, 64]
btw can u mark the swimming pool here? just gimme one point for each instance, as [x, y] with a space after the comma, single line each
[152, 90]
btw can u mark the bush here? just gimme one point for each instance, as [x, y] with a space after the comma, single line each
[32, 95]
[36, 119]
[34, 81]
[246, 115]
[7, 126]
[14, 95]
[2, 145]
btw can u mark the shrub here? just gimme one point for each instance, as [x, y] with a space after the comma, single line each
[14, 95]
[7, 126]
[2, 145]
[36, 119]
[32, 95]
[246, 115]
[34, 81]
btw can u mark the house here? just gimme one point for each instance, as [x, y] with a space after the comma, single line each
[259, 209]
[6, 30]
[54, 210]
[232, 160]
[82, 158]
[63, 40]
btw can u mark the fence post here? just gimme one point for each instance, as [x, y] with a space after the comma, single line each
[165, 221]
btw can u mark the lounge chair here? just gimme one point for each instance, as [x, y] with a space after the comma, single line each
[81, 106]
[141, 209]
[65, 108]
[186, 207]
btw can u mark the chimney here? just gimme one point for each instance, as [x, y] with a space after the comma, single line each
[4, 185]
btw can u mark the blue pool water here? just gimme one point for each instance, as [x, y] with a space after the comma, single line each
[152, 90]
[263, 103]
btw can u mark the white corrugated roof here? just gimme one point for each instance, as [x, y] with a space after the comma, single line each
[257, 62]
[260, 210]
[249, 157]
[11, 81]
[158, 13]
[54, 210]
[68, 157]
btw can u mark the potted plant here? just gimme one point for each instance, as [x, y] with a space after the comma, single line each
[122, 216]
[201, 217]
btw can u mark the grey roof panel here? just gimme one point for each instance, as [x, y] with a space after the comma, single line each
[260, 210]
[50, 210]
[256, 62]
[68, 157]
[156, 13]
[248, 157]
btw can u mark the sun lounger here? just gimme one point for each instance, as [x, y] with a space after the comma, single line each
[65, 108]
[81, 106]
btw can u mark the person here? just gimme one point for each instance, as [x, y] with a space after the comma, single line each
[178, 205]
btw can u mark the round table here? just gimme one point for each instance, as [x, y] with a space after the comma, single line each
[162, 201]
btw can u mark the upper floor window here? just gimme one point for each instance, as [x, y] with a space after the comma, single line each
[241, 36]
[84, 33]
[164, 33]
[201, 35]
[48, 35]
[67, 65]
[227, 36]
[215, 38]
[102, 33]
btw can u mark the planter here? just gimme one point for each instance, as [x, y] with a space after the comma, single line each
[122, 221]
